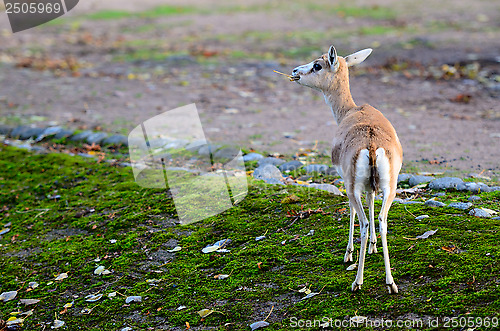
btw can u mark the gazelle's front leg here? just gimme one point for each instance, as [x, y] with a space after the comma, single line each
[370, 200]
[350, 244]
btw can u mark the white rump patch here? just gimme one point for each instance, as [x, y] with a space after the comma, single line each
[362, 176]
[384, 169]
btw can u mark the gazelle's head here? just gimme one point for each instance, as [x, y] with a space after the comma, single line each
[321, 73]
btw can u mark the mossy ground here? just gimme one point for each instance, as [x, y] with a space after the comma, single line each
[65, 210]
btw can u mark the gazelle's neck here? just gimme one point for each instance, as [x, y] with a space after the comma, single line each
[338, 96]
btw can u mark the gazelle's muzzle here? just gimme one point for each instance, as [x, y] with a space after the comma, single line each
[295, 74]
[301, 70]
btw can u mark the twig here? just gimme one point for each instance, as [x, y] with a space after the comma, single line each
[269, 313]
[164, 264]
[410, 212]
[283, 74]
[322, 289]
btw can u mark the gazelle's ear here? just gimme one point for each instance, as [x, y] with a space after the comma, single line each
[332, 57]
[357, 57]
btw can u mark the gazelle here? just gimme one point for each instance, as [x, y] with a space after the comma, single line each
[366, 151]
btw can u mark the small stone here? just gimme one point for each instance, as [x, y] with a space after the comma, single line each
[475, 187]
[474, 198]
[421, 217]
[208, 149]
[81, 136]
[331, 171]
[5, 130]
[417, 180]
[478, 212]
[267, 171]
[411, 202]
[226, 154]
[117, 140]
[25, 132]
[17, 131]
[63, 134]
[270, 160]
[154, 142]
[304, 178]
[327, 187]
[439, 194]
[434, 203]
[446, 183]
[32, 133]
[460, 205]
[51, 131]
[252, 157]
[291, 166]
[483, 187]
[96, 138]
[404, 177]
[320, 168]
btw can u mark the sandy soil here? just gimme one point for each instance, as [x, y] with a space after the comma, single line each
[222, 59]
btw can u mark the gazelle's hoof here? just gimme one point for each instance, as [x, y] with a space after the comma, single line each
[348, 257]
[393, 289]
[372, 249]
[355, 286]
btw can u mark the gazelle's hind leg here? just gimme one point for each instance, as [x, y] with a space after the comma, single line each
[350, 244]
[370, 199]
[355, 200]
[389, 195]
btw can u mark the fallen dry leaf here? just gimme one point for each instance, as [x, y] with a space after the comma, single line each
[258, 325]
[62, 276]
[427, 234]
[205, 312]
[450, 249]
[7, 296]
[352, 267]
[28, 302]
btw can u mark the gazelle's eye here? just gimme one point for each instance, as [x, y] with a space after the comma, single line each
[317, 67]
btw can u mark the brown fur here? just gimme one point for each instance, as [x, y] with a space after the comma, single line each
[362, 127]
[359, 128]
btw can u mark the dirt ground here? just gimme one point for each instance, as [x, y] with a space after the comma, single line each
[112, 70]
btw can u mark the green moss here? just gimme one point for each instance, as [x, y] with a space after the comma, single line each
[99, 203]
